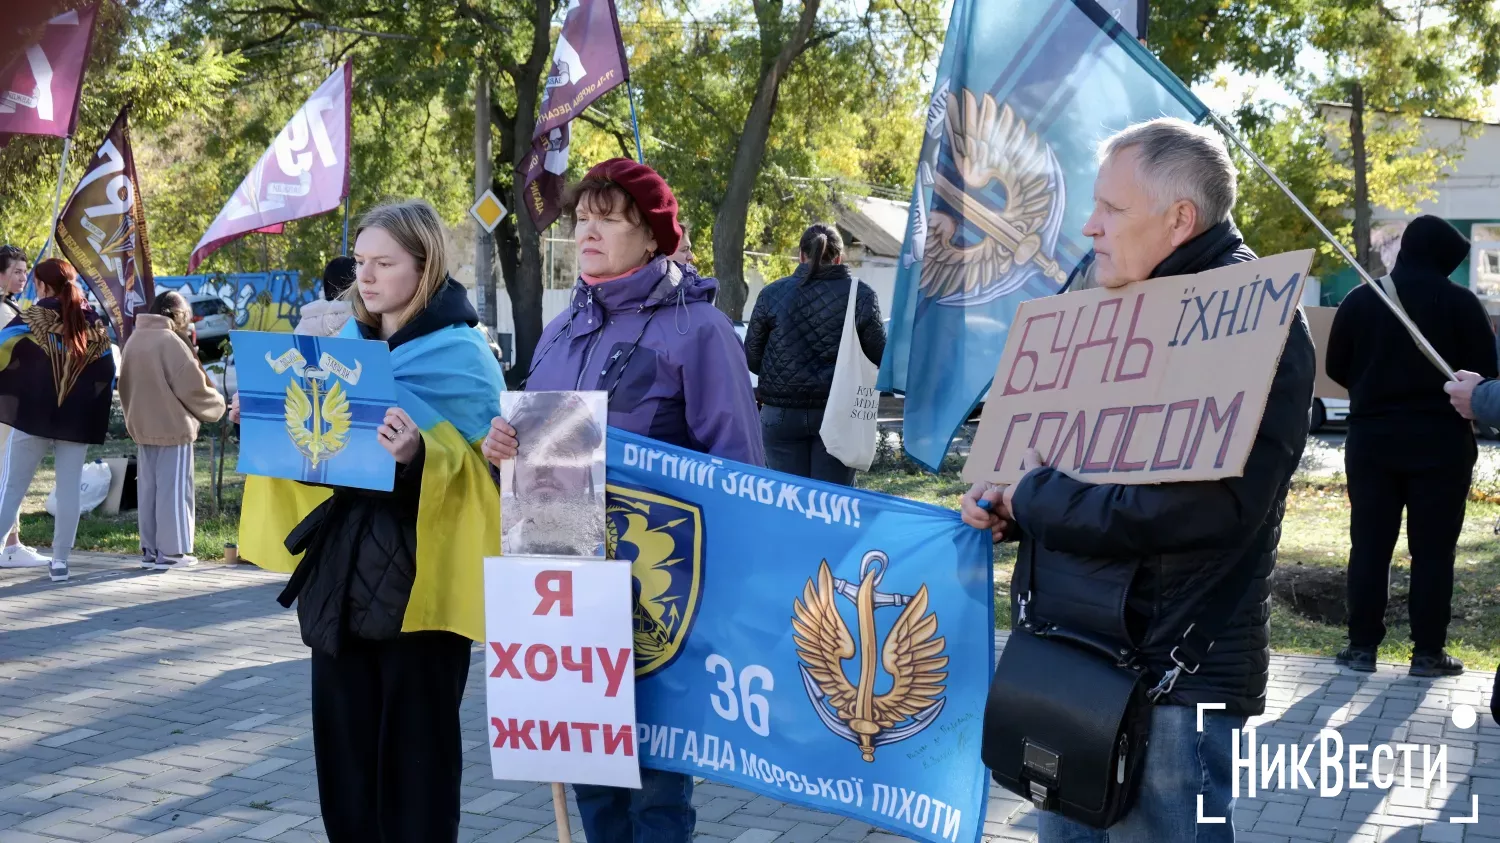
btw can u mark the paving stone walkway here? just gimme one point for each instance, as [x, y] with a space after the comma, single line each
[140, 706]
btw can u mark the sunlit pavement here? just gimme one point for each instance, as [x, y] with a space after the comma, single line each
[174, 706]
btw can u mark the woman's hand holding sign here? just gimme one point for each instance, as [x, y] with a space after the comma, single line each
[500, 444]
[400, 435]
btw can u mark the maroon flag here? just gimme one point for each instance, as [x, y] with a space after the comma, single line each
[39, 88]
[305, 171]
[589, 61]
[102, 231]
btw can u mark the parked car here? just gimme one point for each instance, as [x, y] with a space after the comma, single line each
[221, 375]
[1326, 411]
[495, 348]
[213, 318]
[739, 330]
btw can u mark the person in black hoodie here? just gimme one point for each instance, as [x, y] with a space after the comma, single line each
[1407, 447]
[1137, 564]
[792, 344]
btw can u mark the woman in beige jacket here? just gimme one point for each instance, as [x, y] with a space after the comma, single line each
[166, 395]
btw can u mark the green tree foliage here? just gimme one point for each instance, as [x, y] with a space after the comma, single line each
[846, 120]
[131, 62]
[1198, 38]
[1409, 58]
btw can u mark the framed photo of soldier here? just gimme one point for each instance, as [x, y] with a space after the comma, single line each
[552, 492]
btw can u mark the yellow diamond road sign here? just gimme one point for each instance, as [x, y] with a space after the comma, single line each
[488, 211]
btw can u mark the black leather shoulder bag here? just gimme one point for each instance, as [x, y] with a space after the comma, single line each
[1069, 715]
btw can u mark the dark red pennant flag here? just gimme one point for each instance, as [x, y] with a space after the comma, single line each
[589, 62]
[102, 231]
[39, 89]
[304, 172]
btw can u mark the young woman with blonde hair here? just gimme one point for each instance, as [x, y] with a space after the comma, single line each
[389, 586]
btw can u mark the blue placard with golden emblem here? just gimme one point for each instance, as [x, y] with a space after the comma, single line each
[815, 643]
[310, 406]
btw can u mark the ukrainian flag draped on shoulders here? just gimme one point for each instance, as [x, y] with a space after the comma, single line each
[449, 382]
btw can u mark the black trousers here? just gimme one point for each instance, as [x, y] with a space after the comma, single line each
[386, 736]
[1434, 497]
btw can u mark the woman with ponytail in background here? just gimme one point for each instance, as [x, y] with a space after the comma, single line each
[56, 379]
[792, 343]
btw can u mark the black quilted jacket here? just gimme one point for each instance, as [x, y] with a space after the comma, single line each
[360, 546]
[792, 342]
[1137, 563]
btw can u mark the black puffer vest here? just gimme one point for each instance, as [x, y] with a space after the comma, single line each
[360, 546]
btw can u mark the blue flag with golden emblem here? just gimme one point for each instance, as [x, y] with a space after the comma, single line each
[815, 643]
[1025, 92]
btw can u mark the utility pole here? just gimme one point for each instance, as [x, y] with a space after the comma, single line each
[484, 242]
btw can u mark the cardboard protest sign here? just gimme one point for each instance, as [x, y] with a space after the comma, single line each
[1320, 323]
[1162, 380]
[560, 694]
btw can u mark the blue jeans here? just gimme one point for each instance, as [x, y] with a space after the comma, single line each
[660, 812]
[794, 446]
[1180, 765]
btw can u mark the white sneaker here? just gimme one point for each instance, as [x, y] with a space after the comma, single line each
[172, 563]
[58, 571]
[21, 556]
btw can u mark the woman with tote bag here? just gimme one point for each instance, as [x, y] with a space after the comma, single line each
[816, 339]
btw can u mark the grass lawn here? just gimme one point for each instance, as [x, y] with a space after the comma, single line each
[120, 534]
[1307, 608]
[1307, 614]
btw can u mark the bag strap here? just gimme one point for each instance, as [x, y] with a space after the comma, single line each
[1196, 640]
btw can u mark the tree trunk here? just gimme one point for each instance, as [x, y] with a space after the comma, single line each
[734, 211]
[523, 279]
[1362, 252]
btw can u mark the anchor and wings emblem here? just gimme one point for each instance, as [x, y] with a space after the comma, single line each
[912, 656]
[1004, 209]
[318, 416]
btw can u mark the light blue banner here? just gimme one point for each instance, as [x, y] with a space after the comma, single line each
[310, 406]
[1025, 92]
[814, 643]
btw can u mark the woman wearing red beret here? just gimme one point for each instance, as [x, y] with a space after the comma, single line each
[644, 330]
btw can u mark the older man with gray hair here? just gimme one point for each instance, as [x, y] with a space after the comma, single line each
[1136, 565]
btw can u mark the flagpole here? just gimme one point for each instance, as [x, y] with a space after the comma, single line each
[635, 125]
[62, 173]
[345, 249]
[1411, 328]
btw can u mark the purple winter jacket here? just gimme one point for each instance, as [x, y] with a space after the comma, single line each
[671, 361]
